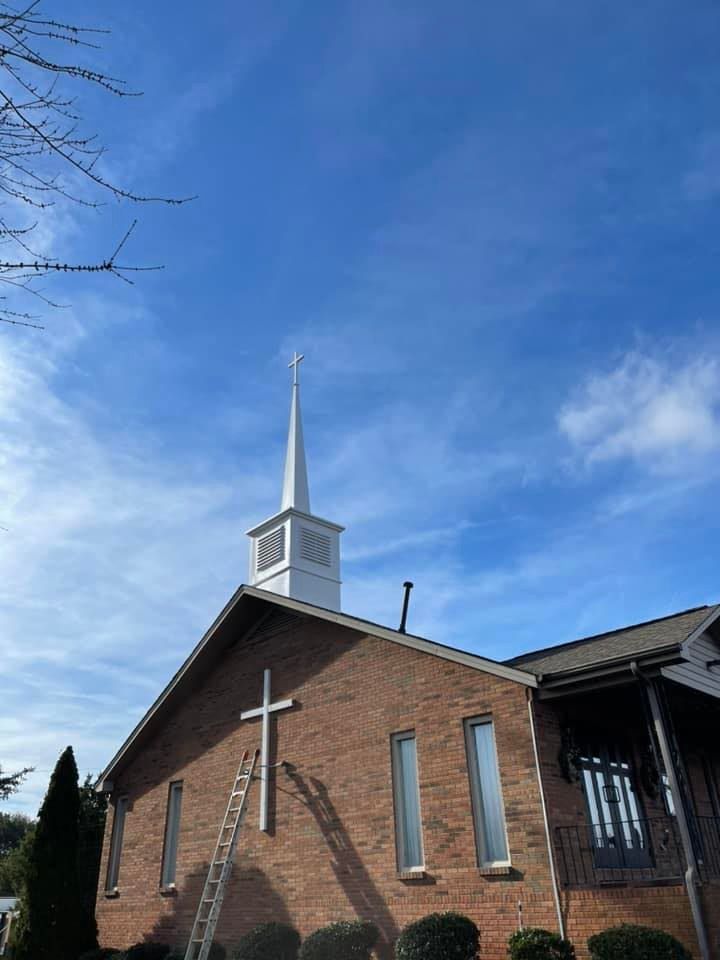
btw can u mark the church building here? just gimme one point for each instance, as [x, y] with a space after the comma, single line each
[571, 788]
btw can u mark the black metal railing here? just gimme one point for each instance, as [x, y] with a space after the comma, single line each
[707, 830]
[634, 851]
[593, 854]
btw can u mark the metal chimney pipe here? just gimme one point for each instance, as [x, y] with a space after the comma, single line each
[408, 585]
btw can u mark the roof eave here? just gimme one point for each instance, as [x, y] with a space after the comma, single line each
[608, 670]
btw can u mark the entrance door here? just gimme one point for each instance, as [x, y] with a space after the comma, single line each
[618, 832]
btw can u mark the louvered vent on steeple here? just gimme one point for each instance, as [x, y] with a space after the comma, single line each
[271, 549]
[315, 546]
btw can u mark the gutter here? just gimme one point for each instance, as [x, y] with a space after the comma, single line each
[551, 857]
[616, 665]
[663, 739]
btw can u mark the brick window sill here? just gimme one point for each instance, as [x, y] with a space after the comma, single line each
[169, 891]
[414, 876]
[503, 871]
[112, 894]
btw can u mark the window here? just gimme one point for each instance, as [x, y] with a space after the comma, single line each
[408, 827]
[116, 844]
[617, 826]
[172, 829]
[490, 836]
[668, 798]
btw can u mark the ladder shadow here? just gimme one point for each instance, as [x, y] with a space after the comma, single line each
[247, 884]
[347, 865]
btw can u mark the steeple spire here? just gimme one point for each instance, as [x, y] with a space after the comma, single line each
[295, 553]
[295, 494]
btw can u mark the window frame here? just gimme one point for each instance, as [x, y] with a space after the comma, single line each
[476, 793]
[174, 810]
[112, 876]
[398, 803]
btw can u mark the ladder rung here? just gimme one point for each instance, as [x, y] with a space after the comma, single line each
[241, 785]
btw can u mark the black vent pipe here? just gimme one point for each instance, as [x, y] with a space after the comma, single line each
[408, 585]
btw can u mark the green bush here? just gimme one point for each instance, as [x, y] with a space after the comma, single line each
[147, 950]
[536, 944]
[439, 936]
[268, 941]
[217, 952]
[102, 953]
[345, 940]
[629, 942]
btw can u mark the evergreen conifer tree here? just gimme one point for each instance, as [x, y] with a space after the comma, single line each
[53, 923]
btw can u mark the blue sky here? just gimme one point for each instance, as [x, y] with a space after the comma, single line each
[492, 230]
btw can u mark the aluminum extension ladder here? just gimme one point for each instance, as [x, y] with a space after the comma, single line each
[213, 893]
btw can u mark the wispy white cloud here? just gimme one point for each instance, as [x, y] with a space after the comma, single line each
[661, 410]
[108, 564]
[119, 550]
[702, 180]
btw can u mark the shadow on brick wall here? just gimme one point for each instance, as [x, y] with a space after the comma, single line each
[248, 891]
[347, 865]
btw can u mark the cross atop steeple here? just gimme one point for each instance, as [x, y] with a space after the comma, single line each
[295, 363]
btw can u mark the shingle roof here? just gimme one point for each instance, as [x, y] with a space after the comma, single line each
[642, 638]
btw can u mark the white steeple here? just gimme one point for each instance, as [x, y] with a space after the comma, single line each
[295, 486]
[295, 553]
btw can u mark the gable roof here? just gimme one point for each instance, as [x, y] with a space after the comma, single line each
[240, 617]
[642, 639]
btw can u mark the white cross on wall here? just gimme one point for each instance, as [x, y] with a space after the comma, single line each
[264, 711]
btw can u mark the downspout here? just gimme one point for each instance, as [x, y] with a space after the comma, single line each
[551, 858]
[680, 812]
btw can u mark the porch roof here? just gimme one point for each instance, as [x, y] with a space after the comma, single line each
[641, 639]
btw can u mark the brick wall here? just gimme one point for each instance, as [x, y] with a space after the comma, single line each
[331, 850]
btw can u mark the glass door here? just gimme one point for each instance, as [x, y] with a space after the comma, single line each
[618, 832]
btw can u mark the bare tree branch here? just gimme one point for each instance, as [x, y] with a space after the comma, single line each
[44, 155]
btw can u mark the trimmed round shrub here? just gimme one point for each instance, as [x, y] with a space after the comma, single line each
[630, 942]
[268, 941]
[147, 950]
[439, 936]
[344, 940]
[102, 953]
[217, 952]
[533, 943]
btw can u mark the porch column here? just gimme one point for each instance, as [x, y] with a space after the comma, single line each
[663, 740]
